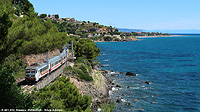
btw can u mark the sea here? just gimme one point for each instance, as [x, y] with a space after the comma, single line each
[170, 64]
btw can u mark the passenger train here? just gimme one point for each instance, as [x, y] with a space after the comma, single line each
[37, 71]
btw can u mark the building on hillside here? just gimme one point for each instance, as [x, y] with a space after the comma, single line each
[91, 29]
[46, 17]
[59, 19]
[67, 19]
[98, 30]
[110, 29]
[73, 19]
[143, 34]
[53, 18]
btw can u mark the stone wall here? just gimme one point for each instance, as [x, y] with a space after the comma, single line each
[31, 59]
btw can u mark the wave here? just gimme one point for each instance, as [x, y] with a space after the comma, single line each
[106, 65]
[106, 60]
[102, 54]
[123, 100]
[114, 89]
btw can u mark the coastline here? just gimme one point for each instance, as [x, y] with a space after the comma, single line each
[98, 89]
[138, 38]
[158, 36]
[117, 41]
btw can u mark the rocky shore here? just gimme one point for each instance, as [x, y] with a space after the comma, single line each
[158, 36]
[98, 89]
[130, 38]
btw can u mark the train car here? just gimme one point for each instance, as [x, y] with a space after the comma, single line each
[37, 71]
[63, 57]
[54, 63]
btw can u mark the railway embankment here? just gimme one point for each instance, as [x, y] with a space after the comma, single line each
[98, 89]
[31, 59]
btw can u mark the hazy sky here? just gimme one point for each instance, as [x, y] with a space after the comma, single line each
[133, 14]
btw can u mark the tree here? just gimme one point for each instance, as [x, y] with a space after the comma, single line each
[25, 6]
[88, 49]
[107, 38]
[43, 15]
[11, 95]
[5, 24]
[56, 16]
[62, 94]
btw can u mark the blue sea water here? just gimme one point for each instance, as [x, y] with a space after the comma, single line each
[171, 64]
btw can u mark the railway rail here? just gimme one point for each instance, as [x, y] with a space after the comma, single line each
[28, 87]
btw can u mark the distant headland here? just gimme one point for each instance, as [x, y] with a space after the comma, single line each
[97, 32]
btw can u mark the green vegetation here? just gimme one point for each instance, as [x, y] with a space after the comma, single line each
[27, 35]
[22, 6]
[96, 38]
[81, 69]
[11, 95]
[61, 94]
[87, 49]
[107, 38]
[98, 79]
[108, 107]
[23, 33]
[43, 15]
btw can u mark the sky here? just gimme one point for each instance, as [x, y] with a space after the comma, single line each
[133, 14]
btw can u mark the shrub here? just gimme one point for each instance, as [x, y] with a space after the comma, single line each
[62, 94]
[86, 77]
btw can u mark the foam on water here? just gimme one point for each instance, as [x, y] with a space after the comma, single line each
[170, 64]
[106, 60]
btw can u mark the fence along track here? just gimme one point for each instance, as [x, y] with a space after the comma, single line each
[45, 81]
[42, 83]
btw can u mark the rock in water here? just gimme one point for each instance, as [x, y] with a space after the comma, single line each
[128, 104]
[121, 73]
[113, 75]
[147, 82]
[130, 74]
[119, 101]
[140, 109]
[118, 86]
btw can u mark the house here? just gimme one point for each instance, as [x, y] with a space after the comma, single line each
[46, 17]
[143, 34]
[53, 18]
[59, 19]
[110, 29]
[67, 19]
[73, 19]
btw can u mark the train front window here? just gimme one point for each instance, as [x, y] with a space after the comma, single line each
[27, 70]
[33, 71]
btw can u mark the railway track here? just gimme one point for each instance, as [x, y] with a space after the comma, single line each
[42, 82]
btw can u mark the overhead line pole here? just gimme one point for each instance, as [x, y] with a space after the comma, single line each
[72, 52]
[48, 62]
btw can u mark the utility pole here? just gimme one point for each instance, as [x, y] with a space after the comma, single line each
[72, 52]
[66, 50]
[47, 61]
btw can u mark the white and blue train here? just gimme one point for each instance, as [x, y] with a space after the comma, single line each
[34, 73]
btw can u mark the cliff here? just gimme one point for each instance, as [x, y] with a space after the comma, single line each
[98, 88]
